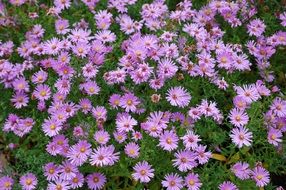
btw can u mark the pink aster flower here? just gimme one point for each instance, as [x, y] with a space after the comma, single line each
[96, 181]
[77, 181]
[129, 102]
[120, 137]
[192, 181]
[241, 170]
[19, 100]
[51, 127]
[278, 107]
[190, 140]
[241, 136]
[260, 176]
[102, 137]
[79, 153]
[248, 92]
[172, 182]
[125, 123]
[256, 27]
[185, 160]
[51, 171]
[132, 150]
[114, 100]
[143, 172]
[178, 96]
[90, 87]
[62, 26]
[274, 136]
[168, 140]
[85, 105]
[167, 68]
[104, 156]
[42, 92]
[203, 156]
[227, 185]
[39, 77]
[6, 183]
[59, 184]
[28, 181]
[238, 117]
[21, 84]
[67, 170]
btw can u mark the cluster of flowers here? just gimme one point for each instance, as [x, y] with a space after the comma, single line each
[151, 58]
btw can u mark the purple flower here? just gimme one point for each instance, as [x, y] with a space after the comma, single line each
[274, 136]
[104, 156]
[51, 171]
[143, 172]
[192, 181]
[28, 181]
[227, 185]
[78, 154]
[96, 181]
[6, 183]
[241, 170]
[168, 140]
[132, 150]
[185, 160]
[241, 136]
[260, 176]
[178, 96]
[173, 182]
[129, 102]
[42, 92]
[238, 117]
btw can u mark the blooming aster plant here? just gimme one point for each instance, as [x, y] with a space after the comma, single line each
[142, 94]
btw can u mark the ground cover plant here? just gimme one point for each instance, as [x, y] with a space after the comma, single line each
[142, 94]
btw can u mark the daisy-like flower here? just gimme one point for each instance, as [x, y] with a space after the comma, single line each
[114, 100]
[260, 176]
[172, 182]
[241, 170]
[248, 92]
[167, 68]
[90, 87]
[190, 140]
[143, 172]
[274, 136]
[51, 171]
[28, 181]
[185, 160]
[42, 92]
[67, 170]
[238, 117]
[278, 106]
[132, 150]
[6, 183]
[96, 181]
[20, 99]
[58, 184]
[178, 96]
[241, 136]
[192, 181]
[51, 127]
[203, 156]
[168, 140]
[120, 137]
[256, 27]
[77, 181]
[227, 185]
[129, 102]
[125, 123]
[105, 36]
[102, 137]
[79, 153]
[104, 156]
[39, 77]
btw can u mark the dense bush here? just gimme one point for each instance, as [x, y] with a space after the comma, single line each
[141, 94]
